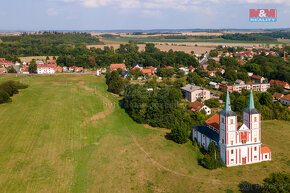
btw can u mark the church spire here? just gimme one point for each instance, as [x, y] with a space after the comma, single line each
[251, 104]
[228, 103]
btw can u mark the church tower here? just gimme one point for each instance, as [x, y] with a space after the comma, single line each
[228, 129]
[252, 119]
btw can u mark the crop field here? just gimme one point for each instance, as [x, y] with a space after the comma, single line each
[66, 133]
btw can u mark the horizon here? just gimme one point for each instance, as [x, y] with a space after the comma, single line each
[103, 15]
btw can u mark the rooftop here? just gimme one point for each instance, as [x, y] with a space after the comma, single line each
[192, 87]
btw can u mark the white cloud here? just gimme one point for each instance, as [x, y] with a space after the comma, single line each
[51, 12]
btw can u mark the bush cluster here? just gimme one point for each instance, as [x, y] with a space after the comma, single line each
[8, 89]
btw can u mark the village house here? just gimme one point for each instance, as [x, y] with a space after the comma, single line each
[221, 70]
[285, 99]
[214, 85]
[211, 73]
[58, 69]
[262, 87]
[191, 69]
[238, 144]
[198, 106]
[257, 79]
[24, 69]
[44, 69]
[117, 66]
[136, 65]
[280, 83]
[147, 71]
[192, 92]
[238, 81]
[277, 96]
[125, 74]
[3, 70]
[184, 69]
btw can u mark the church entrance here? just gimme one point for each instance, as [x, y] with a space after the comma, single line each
[244, 160]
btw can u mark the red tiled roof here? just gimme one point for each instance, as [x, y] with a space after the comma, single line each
[116, 66]
[279, 83]
[146, 71]
[265, 150]
[257, 77]
[214, 121]
[168, 66]
[44, 66]
[191, 68]
[286, 97]
[277, 95]
[196, 105]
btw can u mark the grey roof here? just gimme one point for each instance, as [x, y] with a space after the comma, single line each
[207, 132]
[228, 113]
[251, 111]
[192, 87]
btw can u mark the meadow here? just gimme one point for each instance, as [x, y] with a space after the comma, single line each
[66, 133]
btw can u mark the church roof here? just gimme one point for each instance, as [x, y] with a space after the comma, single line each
[228, 110]
[208, 132]
[251, 106]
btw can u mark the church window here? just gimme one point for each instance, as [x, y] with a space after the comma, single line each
[255, 139]
[232, 161]
[244, 141]
[223, 140]
[266, 156]
[255, 157]
[223, 120]
[232, 121]
[232, 142]
[255, 119]
[255, 148]
[232, 151]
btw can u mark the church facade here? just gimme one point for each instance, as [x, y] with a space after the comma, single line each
[238, 144]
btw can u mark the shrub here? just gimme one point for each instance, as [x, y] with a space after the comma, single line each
[4, 96]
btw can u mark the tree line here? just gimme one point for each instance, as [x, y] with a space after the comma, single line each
[8, 89]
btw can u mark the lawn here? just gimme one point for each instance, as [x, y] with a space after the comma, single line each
[67, 134]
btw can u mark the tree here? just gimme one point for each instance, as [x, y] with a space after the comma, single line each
[229, 62]
[276, 183]
[115, 82]
[213, 53]
[243, 76]
[92, 61]
[212, 103]
[212, 159]
[32, 67]
[180, 74]
[179, 133]
[266, 99]
[230, 74]
[193, 77]
[11, 70]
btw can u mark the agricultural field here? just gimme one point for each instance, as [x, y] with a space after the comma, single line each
[66, 133]
[29, 58]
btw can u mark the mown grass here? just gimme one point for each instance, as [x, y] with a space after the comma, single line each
[45, 148]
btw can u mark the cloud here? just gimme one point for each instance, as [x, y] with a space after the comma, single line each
[51, 12]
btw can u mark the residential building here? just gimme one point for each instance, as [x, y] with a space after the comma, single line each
[221, 70]
[261, 87]
[214, 85]
[184, 69]
[280, 83]
[285, 99]
[257, 79]
[58, 69]
[117, 66]
[3, 70]
[44, 69]
[198, 106]
[192, 92]
[238, 144]
[211, 73]
[125, 74]
[277, 96]
[136, 65]
[147, 71]
[238, 81]
[191, 69]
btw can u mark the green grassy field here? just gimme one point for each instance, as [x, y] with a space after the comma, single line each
[67, 134]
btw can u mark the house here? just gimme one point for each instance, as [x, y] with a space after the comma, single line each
[167, 67]
[136, 65]
[64, 69]
[153, 69]
[3, 70]
[198, 106]
[125, 74]
[192, 92]
[24, 69]
[58, 69]
[2, 59]
[214, 85]
[204, 67]
[285, 99]
[238, 144]
[51, 63]
[147, 71]
[257, 79]
[117, 66]
[211, 73]
[261, 87]
[191, 69]
[221, 70]
[238, 81]
[280, 83]
[78, 69]
[44, 69]
[184, 69]
[277, 96]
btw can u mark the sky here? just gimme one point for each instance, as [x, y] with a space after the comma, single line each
[137, 14]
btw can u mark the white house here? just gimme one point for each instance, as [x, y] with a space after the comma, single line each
[214, 85]
[44, 69]
[238, 145]
[198, 106]
[185, 70]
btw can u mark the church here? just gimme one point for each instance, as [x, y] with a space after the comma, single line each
[238, 144]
